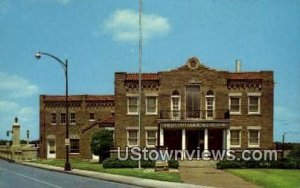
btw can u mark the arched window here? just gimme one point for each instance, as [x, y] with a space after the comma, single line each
[210, 104]
[175, 93]
[175, 105]
[210, 92]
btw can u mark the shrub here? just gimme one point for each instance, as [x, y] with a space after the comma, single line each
[148, 164]
[286, 164]
[294, 156]
[173, 163]
[115, 163]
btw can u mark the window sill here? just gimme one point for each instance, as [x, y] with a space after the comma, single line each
[253, 146]
[91, 120]
[254, 114]
[53, 123]
[72, 123]
[132, 114]
[74, 153]
[131, 146]
[150, 146]
[152, 114]
[235, 113]
[235, 146]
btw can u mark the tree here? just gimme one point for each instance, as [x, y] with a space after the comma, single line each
[23, 142]
[295, 152]
[3, 142]
[101, 143]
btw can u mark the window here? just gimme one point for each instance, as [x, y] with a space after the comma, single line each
[193, 101]
[235, 105]
[235, 138]
[175, 105]
[254, 138]
[53, 118]
[132, 138]
[132, 105]
[63, 118]
[92, 117]
[151, 137]
[72, 118]
[74, 145]
[151, 105]
[52, 147]
[253, 104]
[210, 104]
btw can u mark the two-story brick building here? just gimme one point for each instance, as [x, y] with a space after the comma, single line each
[187, 108]
[86, 114]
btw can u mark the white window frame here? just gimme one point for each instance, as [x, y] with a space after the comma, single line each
[49, 154]
[53, 123]
[90, 116]
[151, 113]
[259, 106]
[137, 137]
[213, 106]
[78, 146]
[235, 95]
[254, 128]
[137, 105]
[72, 120]
[147, 144]
[240, 136]
[172, 106]
[63, 123]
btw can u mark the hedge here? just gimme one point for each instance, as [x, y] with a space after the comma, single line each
[115, 163]
[285, 164]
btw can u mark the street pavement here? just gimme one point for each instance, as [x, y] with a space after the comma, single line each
[19, 176]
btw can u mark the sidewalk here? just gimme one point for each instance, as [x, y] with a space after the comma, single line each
[205, 173]
[115, 178]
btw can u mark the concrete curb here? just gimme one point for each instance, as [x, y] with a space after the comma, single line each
[114, 178]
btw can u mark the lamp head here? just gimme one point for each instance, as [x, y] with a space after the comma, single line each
[38, 55]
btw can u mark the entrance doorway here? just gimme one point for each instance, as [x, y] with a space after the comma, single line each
[195, 140]
[172, 139]
[51, 149]
[215, 139]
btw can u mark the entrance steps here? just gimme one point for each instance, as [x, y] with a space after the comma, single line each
[198, 163]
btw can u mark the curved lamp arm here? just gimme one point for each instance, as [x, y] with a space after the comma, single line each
[64, 65]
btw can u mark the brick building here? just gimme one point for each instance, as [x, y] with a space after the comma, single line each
[87, 114]
[188, 108]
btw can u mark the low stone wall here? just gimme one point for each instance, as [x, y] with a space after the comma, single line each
[18, 153]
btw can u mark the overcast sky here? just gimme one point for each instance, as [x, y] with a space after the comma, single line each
[100, 37]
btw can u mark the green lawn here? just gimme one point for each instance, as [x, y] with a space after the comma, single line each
[269, 177]
[84, 165]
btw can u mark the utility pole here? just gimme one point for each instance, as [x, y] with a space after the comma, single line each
[140, 74]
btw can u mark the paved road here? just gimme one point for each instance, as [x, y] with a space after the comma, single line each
[18, 176]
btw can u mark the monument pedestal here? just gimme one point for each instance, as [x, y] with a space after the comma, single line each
[16, 135]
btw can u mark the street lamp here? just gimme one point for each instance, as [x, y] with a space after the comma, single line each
[65, 67]
[282, 147]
